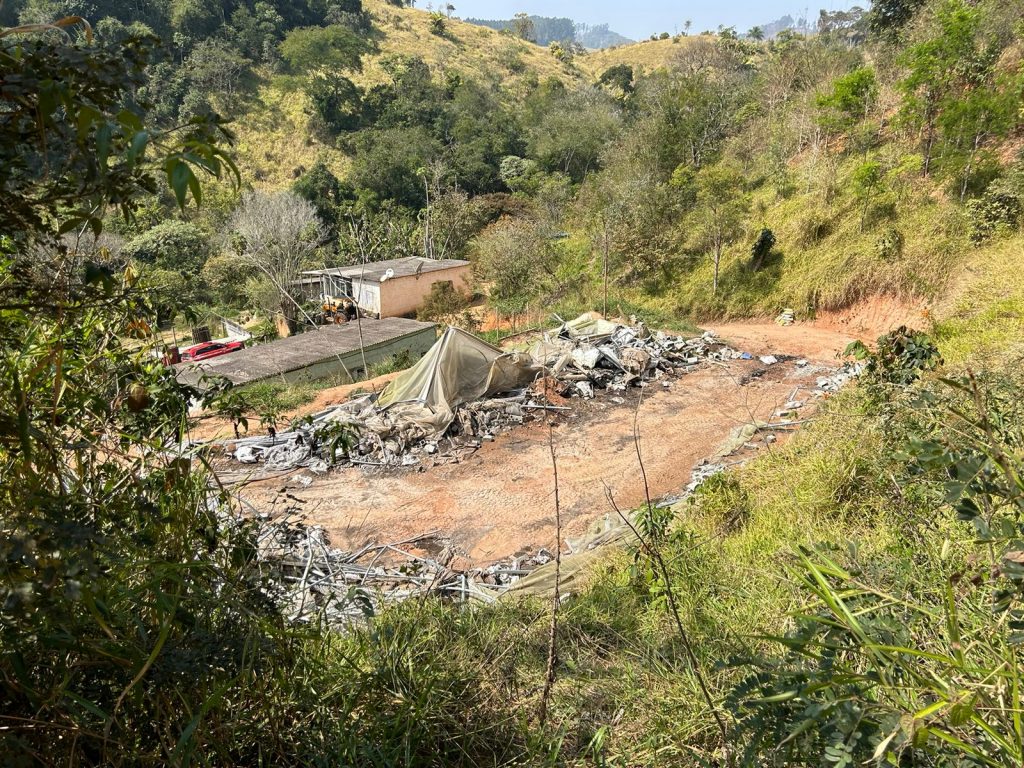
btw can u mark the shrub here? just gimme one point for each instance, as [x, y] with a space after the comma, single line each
[443, 304]
[761, 248]
[996, 212]
[509, 57]
[889, 245]
[174, 245]
[901, 357]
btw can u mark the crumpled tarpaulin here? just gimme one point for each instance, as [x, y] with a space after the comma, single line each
[459, 368]
[589, 326]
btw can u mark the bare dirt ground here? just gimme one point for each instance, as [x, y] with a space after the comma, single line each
[500, 501]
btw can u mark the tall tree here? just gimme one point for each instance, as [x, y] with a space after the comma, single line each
[513, 260]
[722, 207]
[941, 69]
[278, 233]
[889, 17]
[574, 130]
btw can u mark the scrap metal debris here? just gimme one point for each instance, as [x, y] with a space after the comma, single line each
[465, 392]
[590, 353]
[309, 580]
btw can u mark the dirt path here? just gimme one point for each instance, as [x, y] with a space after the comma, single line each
[499, 501]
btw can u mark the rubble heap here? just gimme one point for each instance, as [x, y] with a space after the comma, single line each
[357, 433]
[465, 393]
[591, 353]
[308, 580]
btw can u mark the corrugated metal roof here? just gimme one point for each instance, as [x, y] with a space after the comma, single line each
[373, 271]
[300, 351]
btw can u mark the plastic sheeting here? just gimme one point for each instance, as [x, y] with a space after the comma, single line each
[459, 368]
[589, 326]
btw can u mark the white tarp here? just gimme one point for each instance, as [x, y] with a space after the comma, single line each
[459, 368]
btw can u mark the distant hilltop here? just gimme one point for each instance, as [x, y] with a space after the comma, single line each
[543, 30]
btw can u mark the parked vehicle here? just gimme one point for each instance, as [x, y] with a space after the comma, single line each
[210, 349]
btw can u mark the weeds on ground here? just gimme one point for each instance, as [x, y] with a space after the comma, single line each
[397, 362]
[276, 396]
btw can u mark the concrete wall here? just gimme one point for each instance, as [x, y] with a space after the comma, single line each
[416, 344]
[368, 297]
[404, 295]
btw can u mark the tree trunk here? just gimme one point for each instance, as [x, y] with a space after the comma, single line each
[605, 268]
[970, 166]
[929, 141]
[718, 261]
[426, 221]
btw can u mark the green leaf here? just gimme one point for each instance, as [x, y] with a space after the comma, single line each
[138, 147]
[86, 117]
[104, 135]
[179, 175]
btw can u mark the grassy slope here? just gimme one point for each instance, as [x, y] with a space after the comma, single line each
[836, 269]
[466, 48]
[981, 319]
[645, 56]
[970, 290]
[276, 139]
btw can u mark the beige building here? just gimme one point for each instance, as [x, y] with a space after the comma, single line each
[392, 288]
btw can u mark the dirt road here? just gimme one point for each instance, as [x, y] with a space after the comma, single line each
[499, 501]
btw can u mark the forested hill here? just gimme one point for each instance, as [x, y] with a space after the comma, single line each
[865, 154]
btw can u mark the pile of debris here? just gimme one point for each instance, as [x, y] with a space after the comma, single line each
[834, 380]
[359, 433]
[591, 353]
[465, 392]
[308, 580]
[786, 317]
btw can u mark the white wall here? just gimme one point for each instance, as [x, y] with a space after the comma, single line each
[367, 295]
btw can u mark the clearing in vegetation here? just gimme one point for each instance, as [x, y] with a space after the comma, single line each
[852, 595]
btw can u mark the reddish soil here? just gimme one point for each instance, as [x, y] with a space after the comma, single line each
[871, 318]
[830, 332]
[500, 500]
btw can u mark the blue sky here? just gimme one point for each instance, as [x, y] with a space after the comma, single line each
[641, 18]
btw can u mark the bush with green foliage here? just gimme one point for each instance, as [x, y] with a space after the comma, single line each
[923, 671]
[173, 245]
[899, 359]
[889, 245]
[761, 248]
[996, 212]
[444, 304]
[849, 100]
